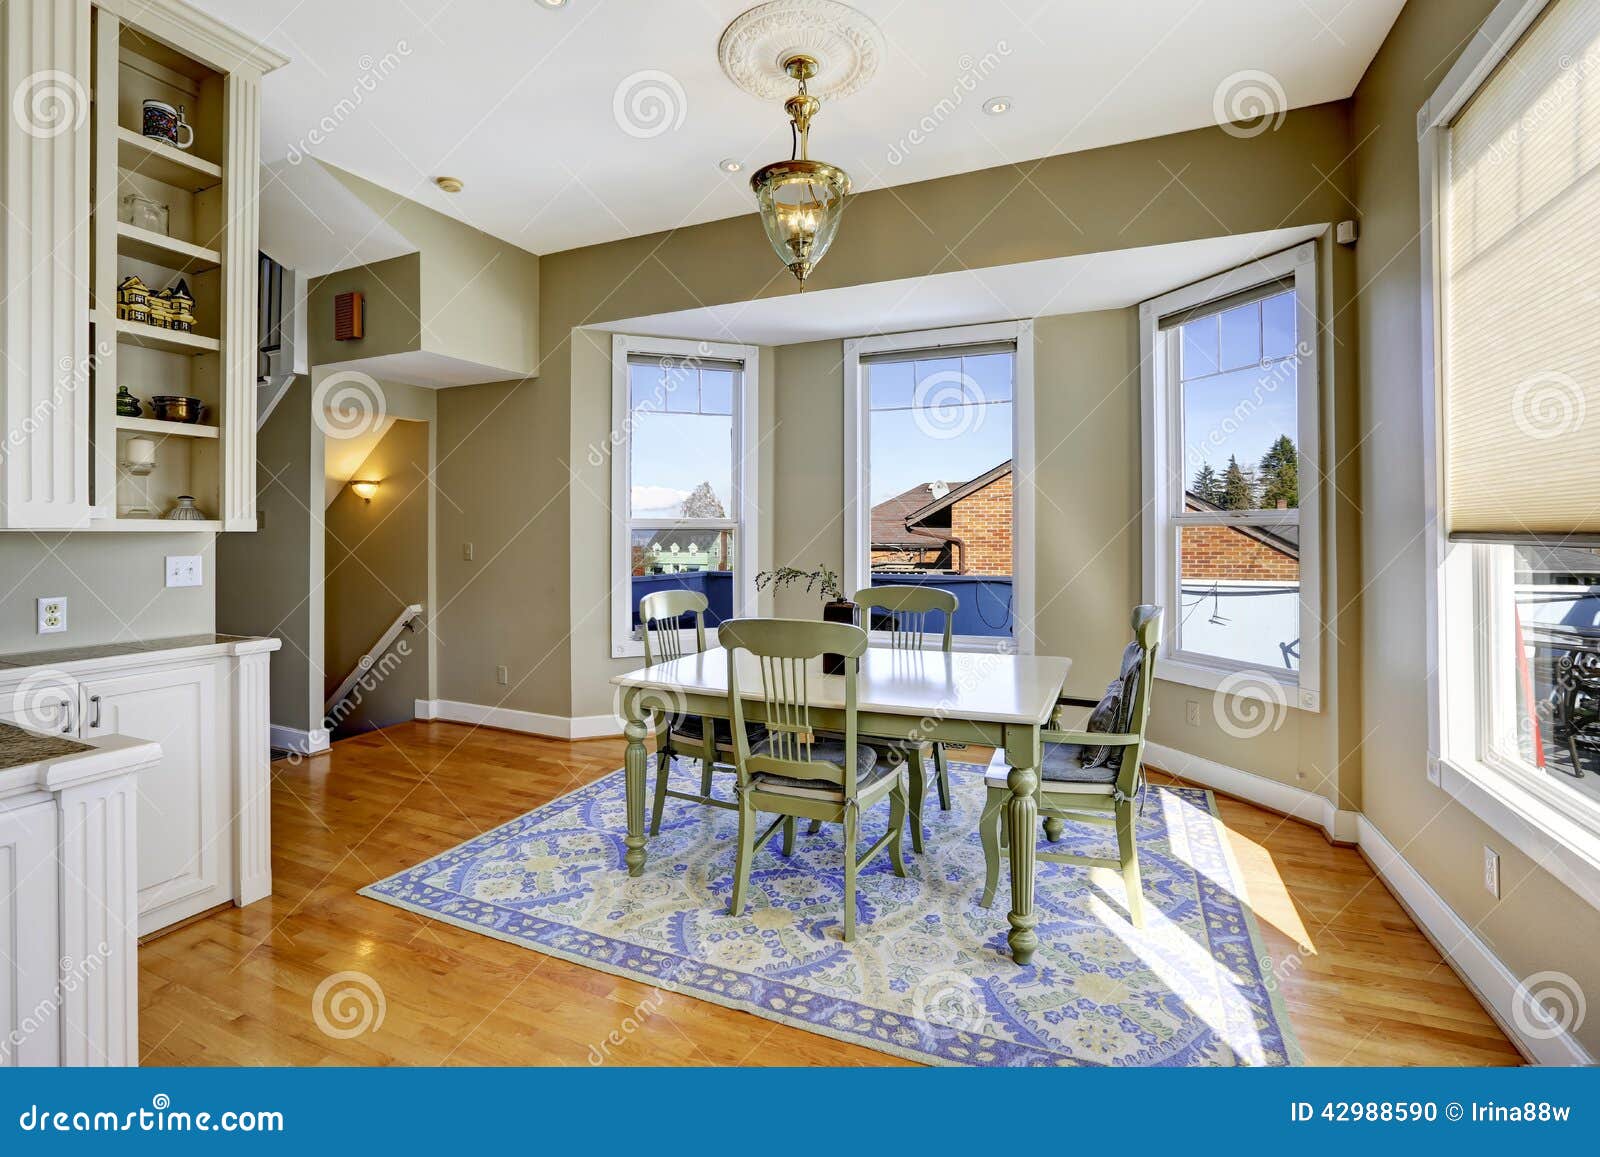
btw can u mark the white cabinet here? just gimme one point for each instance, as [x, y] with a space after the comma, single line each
[44, 335]
[41, 701]
[68, 950]
[204, 809]
[29, 935]
[185, 802]
[75, 75]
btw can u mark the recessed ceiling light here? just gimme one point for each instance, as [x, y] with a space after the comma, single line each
[449, 184]
[729, 165]
[554, 3]
[997, 106]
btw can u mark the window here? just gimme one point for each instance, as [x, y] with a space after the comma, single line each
[932, 459]
[1231, 544]
[683, 478]
[1510, 163]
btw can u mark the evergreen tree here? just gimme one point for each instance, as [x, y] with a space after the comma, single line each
[1207, 486]
[1280, 475]
[703, 503]
[1238, 490]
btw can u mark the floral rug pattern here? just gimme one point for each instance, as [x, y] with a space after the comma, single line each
[929, 976]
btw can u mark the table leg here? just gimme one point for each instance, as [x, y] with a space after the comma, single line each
[1022, 818]
[633, 766]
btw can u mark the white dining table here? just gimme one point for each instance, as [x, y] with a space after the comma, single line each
[979, 698]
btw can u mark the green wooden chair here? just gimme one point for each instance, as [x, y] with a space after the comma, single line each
[794, 772]
[906, 610]
[1090, 776]
[660, 617]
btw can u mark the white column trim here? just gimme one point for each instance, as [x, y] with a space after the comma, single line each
[252, 769]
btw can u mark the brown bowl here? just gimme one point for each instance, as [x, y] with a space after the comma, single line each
[173, 408]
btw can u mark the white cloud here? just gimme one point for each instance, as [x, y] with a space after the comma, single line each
[658, 501]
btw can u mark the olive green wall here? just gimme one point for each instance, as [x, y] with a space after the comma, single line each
[265, 579]
[392, 321]
[115, 585]
[502, 488]
[1538, 924]
[378, 564]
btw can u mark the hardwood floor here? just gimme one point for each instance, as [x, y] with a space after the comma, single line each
[1362, 985]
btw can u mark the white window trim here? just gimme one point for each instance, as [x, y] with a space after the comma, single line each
[1560, 830]
[1162, 438]
[858, 486]
[746, 476]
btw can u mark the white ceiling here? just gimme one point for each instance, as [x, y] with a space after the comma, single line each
[517, 99]
[1090, 281]
[424, 368]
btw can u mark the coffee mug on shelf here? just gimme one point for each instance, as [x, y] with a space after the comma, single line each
[164, 123]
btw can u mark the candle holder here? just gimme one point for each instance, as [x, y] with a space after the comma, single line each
[139, 456]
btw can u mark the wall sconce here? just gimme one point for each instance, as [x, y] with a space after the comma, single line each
[365, 490]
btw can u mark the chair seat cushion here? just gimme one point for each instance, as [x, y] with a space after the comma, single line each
[1066, 768]
[691, 729]
[892, 750]
[869, 770]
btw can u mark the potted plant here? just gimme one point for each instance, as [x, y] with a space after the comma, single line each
[825, 583]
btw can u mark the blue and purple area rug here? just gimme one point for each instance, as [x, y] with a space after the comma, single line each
[928, 976]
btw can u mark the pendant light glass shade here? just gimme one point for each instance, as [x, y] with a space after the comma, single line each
[800, 202]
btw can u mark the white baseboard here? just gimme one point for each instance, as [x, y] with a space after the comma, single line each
[1496, 986]
[296, 739]
[529, 722]
[1283, 798]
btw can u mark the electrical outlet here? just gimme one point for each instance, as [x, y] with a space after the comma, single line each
[467, 552]
[1433, 770]
[52, 615]
[183, 570]
[502, 676]
[1191, 713]
[1491, 871]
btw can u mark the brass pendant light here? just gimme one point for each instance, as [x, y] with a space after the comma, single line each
[801, 200]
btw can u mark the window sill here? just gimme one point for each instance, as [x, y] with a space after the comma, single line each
[1556, 842]
[1246, 682]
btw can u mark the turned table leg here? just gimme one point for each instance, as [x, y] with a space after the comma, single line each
[1024, 752]
[1022, 817]
[634, 765]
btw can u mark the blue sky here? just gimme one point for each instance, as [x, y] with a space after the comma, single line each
[940, 419]
[682, 436]
[1233, 404]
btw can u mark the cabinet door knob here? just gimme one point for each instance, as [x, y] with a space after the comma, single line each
[94, 701]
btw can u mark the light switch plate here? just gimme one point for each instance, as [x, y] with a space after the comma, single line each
[1491, 871]
[52, 614]
[183, 570]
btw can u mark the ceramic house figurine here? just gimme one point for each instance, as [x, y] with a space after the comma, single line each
[181, 306]
[161, 309]
[133, 300]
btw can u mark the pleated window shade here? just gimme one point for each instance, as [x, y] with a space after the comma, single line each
[1521, 311]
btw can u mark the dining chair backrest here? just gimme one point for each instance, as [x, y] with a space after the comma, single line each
[660, 615]
[1146, 634]
[907, 609]
[785, 650]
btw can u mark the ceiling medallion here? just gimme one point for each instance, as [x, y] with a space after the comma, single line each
[845, 44]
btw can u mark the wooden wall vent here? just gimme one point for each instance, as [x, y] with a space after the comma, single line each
[347, 317]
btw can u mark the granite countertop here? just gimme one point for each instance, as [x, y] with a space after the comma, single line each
[18, 747]
[60, 655]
